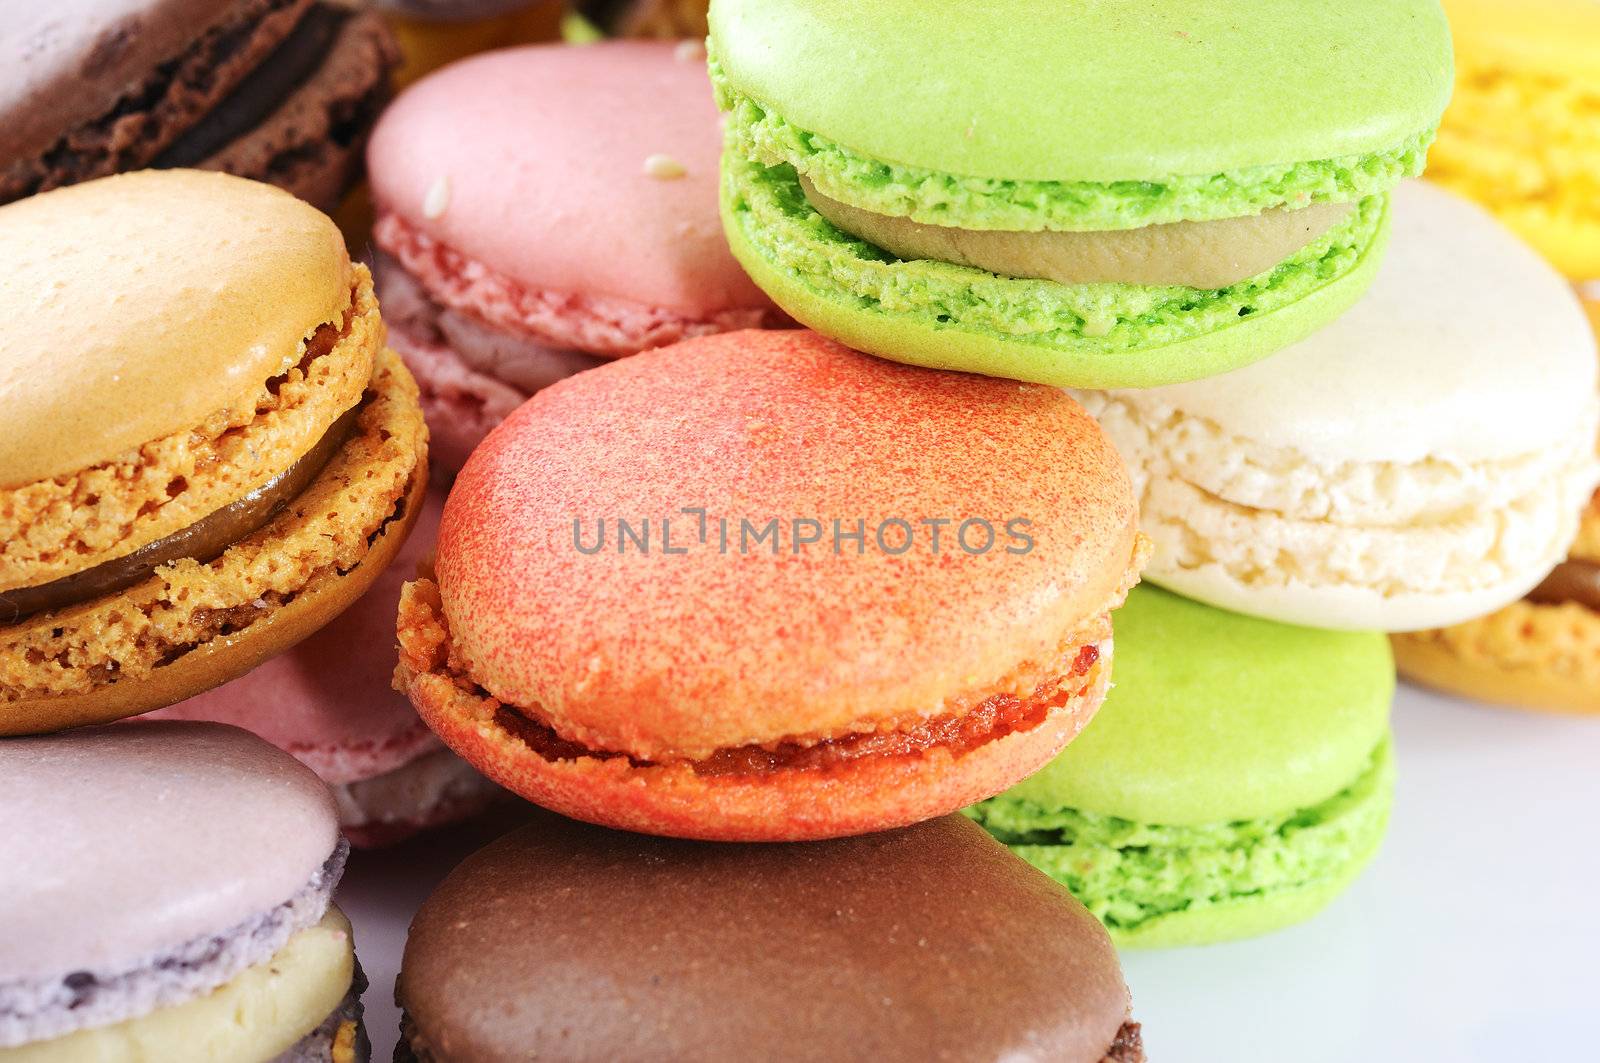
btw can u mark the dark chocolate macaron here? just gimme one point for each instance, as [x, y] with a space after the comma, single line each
[282, 91]
[566, 941]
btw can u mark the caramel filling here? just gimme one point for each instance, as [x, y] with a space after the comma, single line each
[1572, 581]
[993, 718]
[204, 540]
[1193, 254]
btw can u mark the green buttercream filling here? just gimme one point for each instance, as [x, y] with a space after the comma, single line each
[935, 198]
[774, 215]
[1129, 874]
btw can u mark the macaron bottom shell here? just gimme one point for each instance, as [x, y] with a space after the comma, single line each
[1528, 655]
[340, 532]
[861, 795]
[1161, 887]
[1094, 336]
[263, 1012]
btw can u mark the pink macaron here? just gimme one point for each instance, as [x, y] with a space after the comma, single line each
[330, 703]
[542, 209]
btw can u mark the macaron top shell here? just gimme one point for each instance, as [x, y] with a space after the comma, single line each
[1217, 717]
[533, 162]
[1433, 334]
[1532, 36]
[930, 942]
[149, 302]
[49, 50]
[684, 653]
[194, 828]
[330, 701]
[1117, 90]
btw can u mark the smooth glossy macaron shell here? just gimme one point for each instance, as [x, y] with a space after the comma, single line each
[106, 824]
[1237, 778]
[1419, 462]
[1110, 117]
[905, 945]
[794, 645]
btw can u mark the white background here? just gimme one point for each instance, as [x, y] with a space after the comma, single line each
[1474, 936]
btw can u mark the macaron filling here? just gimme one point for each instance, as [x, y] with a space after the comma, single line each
[41, 1010]
[1134, 876]
[1078, 672]
[767, 212]
[1571, 581]
[202, 541]
[932, 197]
[1203, 254]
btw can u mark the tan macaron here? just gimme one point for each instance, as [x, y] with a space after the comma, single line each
[208, 451]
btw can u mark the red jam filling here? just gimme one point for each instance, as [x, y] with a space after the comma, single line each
[993, 718]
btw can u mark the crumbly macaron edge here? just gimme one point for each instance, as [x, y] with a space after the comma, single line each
[1105, 320]
[326, 531]
[757, 134]
[1300, 851]
[166, 485]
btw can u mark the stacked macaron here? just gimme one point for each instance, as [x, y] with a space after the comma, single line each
[519, 244]
[208, 452]
[669, 19]
[1523, 138]
[282, 91]
[433, 33]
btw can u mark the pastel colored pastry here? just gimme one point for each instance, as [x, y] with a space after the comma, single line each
[283, 91]
[666, 19]
[1419, 462]
[1542, 652]
[1238, 778]
[930, 942]
[168, 897]
[1523, 134]
[1119, 194]
[520, 244]
[434, 33]
[758, 676]
[330, 701]
[208, 452]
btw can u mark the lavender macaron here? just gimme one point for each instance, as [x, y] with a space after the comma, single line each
[168, 897]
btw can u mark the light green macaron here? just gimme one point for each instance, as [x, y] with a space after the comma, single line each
[1238, 777]
[1035, 117]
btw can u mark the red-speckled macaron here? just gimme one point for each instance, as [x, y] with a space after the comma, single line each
[653, 609]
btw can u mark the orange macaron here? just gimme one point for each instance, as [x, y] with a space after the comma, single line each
[759, 586]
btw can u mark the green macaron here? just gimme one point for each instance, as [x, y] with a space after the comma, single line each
[1122, 193]
[1238, 777]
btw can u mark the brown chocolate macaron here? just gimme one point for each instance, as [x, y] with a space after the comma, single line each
[563, 941]
[208, 452]
[282, 91]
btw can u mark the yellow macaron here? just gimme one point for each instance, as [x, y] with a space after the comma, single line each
[208, 452]
[1523, 133]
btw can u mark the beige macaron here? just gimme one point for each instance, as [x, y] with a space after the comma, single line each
[208, 452]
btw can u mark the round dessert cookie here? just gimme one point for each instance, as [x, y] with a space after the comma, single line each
[663, 19]
[1238, 778]
[1522, 135]
[930, 942]
[1542, 652]
[283, 91]
[1419, 462]
[761, 587]
[208, 453]
[434, 33]
[1119, 194]
[518, 245]
[331, 702]
[168, 892]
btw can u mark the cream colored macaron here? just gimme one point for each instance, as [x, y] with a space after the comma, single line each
[208, 452]
[1419, 462]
